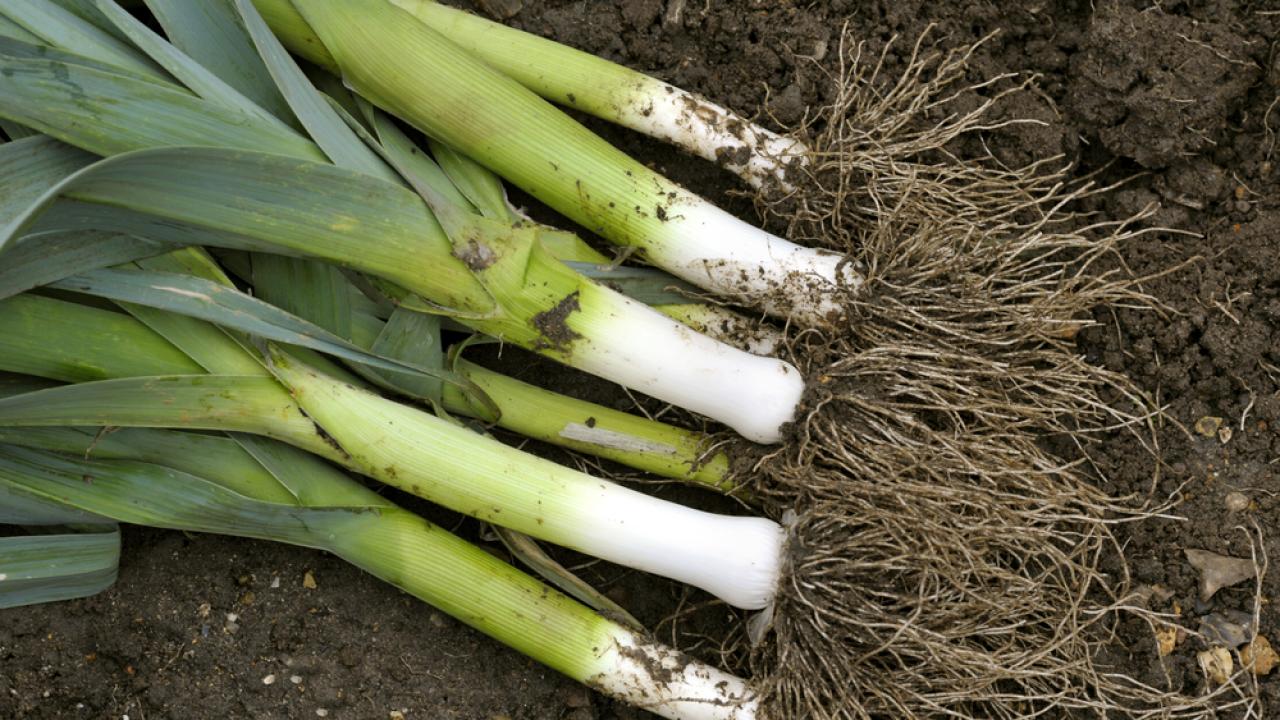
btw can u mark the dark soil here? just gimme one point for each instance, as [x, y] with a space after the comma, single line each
[1172, 95]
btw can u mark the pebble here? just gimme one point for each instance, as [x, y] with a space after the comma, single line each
[350, 656]
[501, 9]
[308, 580]
[577, 698]
[1237, 501]
[321, 712]
[1259, 657]
[269, 680]
[295, 679]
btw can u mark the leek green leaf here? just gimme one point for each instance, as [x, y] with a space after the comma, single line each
[646, 285]
[106, 344]
[32, 165]
[476, 182]
[67, 31]
[309, 289]
[147, 494]
[55, 256]
[47, 568]
[221, 305]
[107, 112]
[415, 338]
[280, 204]
[210, 32]
[190, 73]
[329, 130]
[232, 403]
[11, 29]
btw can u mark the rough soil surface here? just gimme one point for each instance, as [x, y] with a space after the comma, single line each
[1178, 96]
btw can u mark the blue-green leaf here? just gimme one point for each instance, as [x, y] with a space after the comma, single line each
[47, 568]
[211, 34]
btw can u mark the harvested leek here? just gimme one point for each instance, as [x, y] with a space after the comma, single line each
[418, 74]
[306, 502]
[619, 94]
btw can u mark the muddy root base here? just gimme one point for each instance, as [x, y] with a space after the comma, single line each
[948, 530]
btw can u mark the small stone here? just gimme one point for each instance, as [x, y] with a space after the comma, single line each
[577, 697]
[308, 580]
[1166, 639]
[1259, 657]
[295, 679]
[1224, 434]
[321, 712]
[269, 680]
[248, 598]
[1236, 501]
[1216, 664]
[275, 582]
[1219, 571]
[1208, 425]
[397, 715]
[1228, 629]
[204, 610]
[501, 9]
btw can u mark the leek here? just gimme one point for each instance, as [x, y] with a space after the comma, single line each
[316, 506]
[418, 74]
[619, 94]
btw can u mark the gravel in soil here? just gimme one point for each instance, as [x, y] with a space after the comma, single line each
[1179, 98]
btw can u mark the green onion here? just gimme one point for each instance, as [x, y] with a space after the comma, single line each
[418, 74]
[494, 277]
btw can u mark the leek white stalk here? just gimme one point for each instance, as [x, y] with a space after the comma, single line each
[619, 94]
[638, 347]
[415, 72]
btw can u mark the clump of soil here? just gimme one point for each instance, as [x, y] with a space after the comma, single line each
[1179, 98]
[1157, 87]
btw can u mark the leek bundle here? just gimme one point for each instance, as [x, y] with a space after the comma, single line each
[935, 560]
[497, 278]
[736, 558]
[419, 75]
[216, 484]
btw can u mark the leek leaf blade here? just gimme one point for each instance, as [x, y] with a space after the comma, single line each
[193, 75]
[326, 127]
[211, 34]
[47, 568]
[221, 305]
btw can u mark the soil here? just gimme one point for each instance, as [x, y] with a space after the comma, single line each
[1177, 97]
